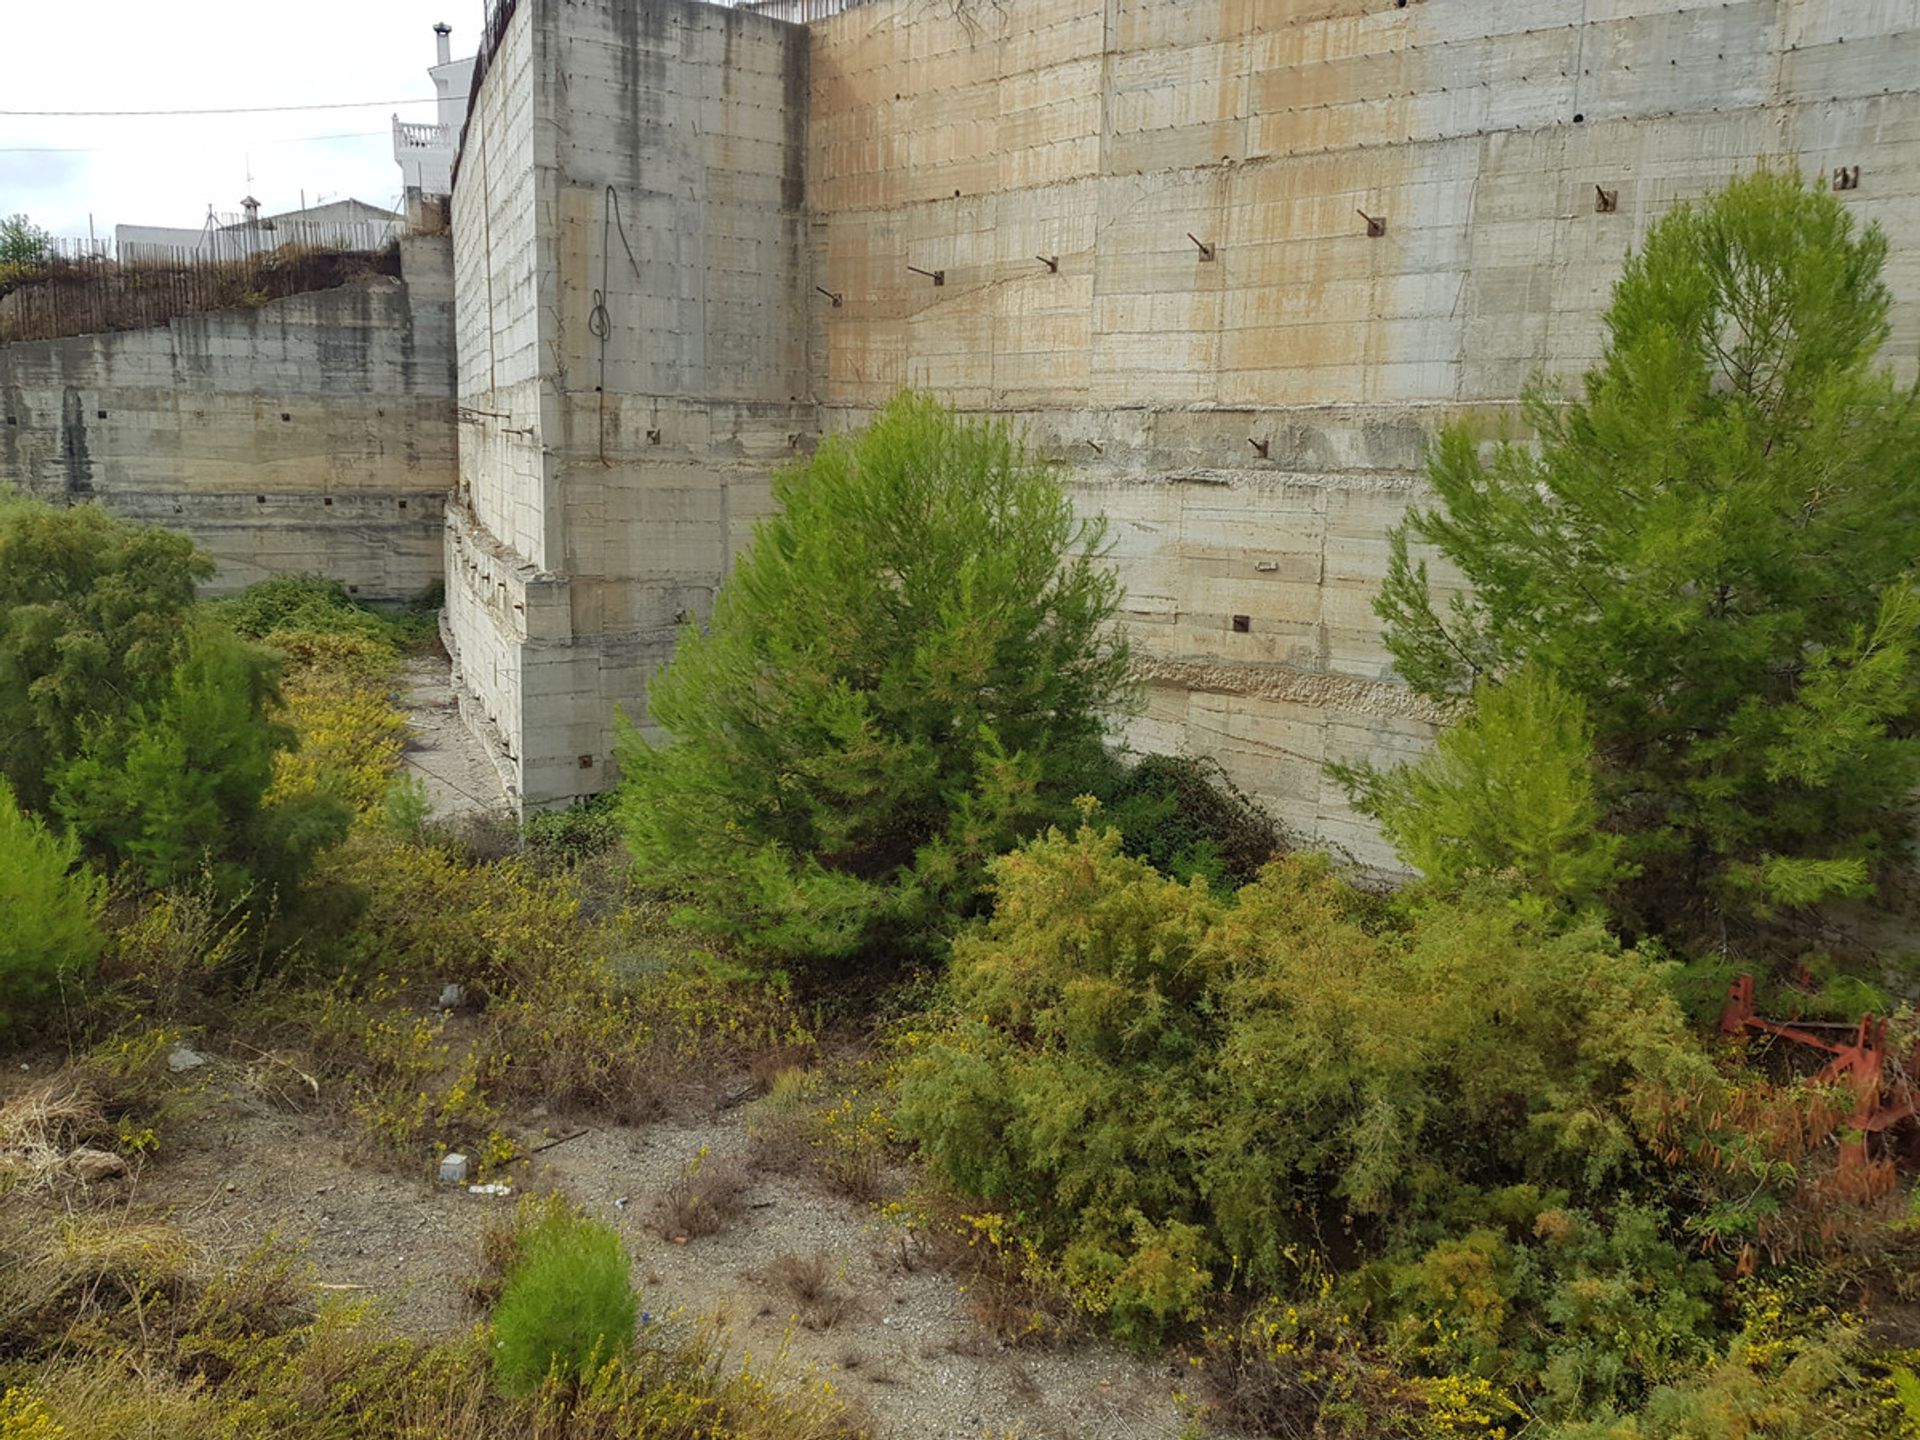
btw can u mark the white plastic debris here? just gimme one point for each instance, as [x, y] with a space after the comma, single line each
[494, 1189]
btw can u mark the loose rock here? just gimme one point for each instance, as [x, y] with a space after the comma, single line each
[182, 1059]
[88, 1165]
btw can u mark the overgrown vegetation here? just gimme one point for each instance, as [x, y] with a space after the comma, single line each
[1711, 550]
[911, 668]
[1174, 1087]
[24, 248]
[113, 1329]
[1461, 1160]
[1458, 1161]
[567, 1309]
[146, 727]
[52, 908]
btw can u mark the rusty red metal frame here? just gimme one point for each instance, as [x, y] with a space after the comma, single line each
[1884, 1093]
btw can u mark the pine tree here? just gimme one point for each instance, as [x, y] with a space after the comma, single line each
[910, 668]
[94, 615]
[1713, 550]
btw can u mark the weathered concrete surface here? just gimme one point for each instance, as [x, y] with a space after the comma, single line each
[630, 252]
[1251, 416]
[314, 433]
[975, 138]
[442, 753]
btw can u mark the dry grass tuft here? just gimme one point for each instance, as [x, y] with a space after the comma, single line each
[46, 1133]
[705, 1200]
[500, 1244]
[812, 1283]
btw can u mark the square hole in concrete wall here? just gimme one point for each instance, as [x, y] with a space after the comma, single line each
[259, 499]
[99, 414]
[286, 415]
[1242, 624]
[327, 501]
[586, 762]
[403, 504]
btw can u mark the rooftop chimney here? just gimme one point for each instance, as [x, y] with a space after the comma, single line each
[442, 43]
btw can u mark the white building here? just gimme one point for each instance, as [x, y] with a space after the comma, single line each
[345, 224]
[425, 153]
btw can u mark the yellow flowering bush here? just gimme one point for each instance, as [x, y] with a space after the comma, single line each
[349, 737]
[24, 1417]
[1306, 1368]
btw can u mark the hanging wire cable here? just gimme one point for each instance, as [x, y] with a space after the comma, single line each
[229, 110]
[599, 322]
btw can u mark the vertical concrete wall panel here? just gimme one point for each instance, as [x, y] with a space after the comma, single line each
[658, 225]
[311, 434]
[1481, 135]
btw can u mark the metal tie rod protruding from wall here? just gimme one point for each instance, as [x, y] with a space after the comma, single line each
[1376, 224]
[1605, 202]
[1052, 262]
[836, 299]
[939, 277]
[1206, 250]
[1260, 446]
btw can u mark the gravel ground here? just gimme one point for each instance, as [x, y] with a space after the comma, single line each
[905, 1350]
[908, 1350]
[459, 776]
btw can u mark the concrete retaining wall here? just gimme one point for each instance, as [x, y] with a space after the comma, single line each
[631, 253]
[1253, 422]
[1151, 223]
[314, 433]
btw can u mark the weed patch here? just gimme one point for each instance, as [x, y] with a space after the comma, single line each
[814, 1286]
[704, 1199]
[567, 1308]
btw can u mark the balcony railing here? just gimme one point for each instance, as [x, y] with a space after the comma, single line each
[409, 136]
[798, 11]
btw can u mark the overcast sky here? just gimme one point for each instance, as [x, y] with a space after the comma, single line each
[139, 55]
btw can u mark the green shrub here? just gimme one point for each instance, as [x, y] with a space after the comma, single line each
[567, 1307]
[576, 834]
[51, 908]
[1713, 549]
[1163, 1080]
[23, 243]
[147, 728]
[1183, 816]
[1590, 1310]
[310, 603]
[1793, 1371]
[95, 613]
[174, 787]
[25, 248]
[1508, 790]
[910, 668]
